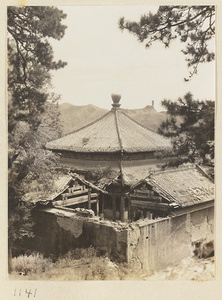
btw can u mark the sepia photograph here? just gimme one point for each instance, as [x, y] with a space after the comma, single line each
[111, 143]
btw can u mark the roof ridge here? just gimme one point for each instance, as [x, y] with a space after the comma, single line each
[83, 180]
[118, 132]
[145, 127]
[204, 173]
[121, 146]
[87, 125]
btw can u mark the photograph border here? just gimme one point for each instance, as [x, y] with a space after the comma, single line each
[111, 289]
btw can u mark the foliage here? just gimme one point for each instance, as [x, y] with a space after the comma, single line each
[20, 223]
[96, 175]
[89, 265]
[36, 267]
[190, 124]
[78, 264]
[31, 264]
[193, 25]
[33, 116]
[30, 59]
[32, 168]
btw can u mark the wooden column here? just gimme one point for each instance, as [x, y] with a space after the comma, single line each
[102, 208]
[129, 208]
[114, 207]
[97, 207]
[148, 215]
[132, 212]
[122, 208]
[89, 198]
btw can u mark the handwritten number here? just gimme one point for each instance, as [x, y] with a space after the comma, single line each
[28, 292]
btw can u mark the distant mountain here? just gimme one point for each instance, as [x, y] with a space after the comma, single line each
[147, 116]
[75, 117]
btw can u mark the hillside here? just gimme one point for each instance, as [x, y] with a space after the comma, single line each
[75, 117]
[147, 116]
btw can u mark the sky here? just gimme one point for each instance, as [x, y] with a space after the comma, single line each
[103, 60]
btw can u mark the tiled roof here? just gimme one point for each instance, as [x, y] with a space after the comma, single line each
[115, 131]
[136, 170]
[61, 184]
[184, 185]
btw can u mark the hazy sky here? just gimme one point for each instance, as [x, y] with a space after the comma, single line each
[103, 60]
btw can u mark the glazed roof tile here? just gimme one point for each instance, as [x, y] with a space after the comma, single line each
[113, 132]
[185, 185]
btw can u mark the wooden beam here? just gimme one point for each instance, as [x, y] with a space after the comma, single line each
[66, 195]
[146, 192]
[146, 197]
[78, 187]
[85, 206]
[77, 200]
[89, 198]
[150, 205]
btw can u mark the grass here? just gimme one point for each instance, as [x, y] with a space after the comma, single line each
[31, 264]
[79, 264]
[89, 264]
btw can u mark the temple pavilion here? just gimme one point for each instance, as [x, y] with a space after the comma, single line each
[113, 153]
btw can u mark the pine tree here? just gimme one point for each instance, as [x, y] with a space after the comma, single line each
[190, 124]
[30, 60]
[192, 25]
[33, 116]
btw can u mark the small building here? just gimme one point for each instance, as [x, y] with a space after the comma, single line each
[171, 192]
[74, 192]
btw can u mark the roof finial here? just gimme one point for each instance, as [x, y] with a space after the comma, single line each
[116, 98]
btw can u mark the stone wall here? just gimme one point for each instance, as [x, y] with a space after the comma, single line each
[58, 231]
[158, 243]
[153, 244]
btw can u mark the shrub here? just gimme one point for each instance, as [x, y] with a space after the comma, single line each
[84, 264]
[77, 264]
[29, 264]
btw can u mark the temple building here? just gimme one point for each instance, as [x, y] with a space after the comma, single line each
[114, 153]
[115, 196]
